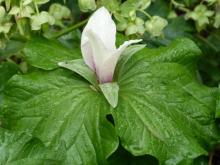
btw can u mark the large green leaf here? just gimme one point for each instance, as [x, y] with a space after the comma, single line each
[45, 54]
[59, 108]
[218, 106]
[182, 51]
[21, 148]
[163, 111]
[7, 70]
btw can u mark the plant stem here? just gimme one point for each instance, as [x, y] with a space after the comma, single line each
[180, 6]
[145, 13]
[69, 29]
[36, 7]
[210, 158]
[206, 42]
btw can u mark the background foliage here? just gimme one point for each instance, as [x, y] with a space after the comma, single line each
[168, 102]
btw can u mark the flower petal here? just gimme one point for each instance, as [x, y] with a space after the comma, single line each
[99, 54]
[106, 72]
[87, 52]
[120, 50]
[108, 66]
[102, 25]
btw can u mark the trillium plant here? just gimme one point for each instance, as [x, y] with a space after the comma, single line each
[98, 45]
[100, 53]
[107, 82]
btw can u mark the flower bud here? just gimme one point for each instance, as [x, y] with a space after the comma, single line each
[131, 29]
[132, 15]
[87, 5]
[155, 26]
[59, 12]
[139, 21]
[172, 15]
[140, 29]
[121, 26]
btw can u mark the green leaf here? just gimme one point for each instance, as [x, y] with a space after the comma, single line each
[80, 68]
[182, 51]
[12, 47]
[159, 7]
[163, 111]
[110, 91]
[218, 106]
[45, 54]
[126, 55]
[59, 108]
[7, 70]
[21, 148]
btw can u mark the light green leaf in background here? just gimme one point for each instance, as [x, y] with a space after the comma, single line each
[155, 26]
[41, 18]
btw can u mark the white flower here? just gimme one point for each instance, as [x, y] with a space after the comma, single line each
[98, 45]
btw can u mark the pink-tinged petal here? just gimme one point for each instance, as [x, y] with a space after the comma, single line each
[101, 24]
[107, 69]
[100, 54]
[87, 53]
[108, 66]
[98, 45]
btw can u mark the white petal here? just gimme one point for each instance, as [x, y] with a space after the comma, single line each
[125, 45]
[102, 25]
[99, 53]
[108, 66]
[106, 72]
[87, 53]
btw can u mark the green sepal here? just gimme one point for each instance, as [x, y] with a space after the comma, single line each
[110, 91]
[80, 68]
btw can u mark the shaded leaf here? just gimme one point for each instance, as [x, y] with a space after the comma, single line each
[7, 70]
[45, 54]
[81, 68]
